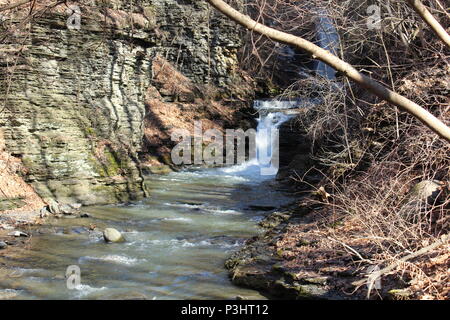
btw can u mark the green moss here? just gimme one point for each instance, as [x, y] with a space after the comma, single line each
[401, 294]
[274, 91]
[278, 268]
[27, 162]
[110, 163]
[336, 224]
[159, 169]
[303, 292]
[90, 132]
[302, 243]
[167, 159]
[231, 263]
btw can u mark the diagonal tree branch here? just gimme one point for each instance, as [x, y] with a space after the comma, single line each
[325, 56]
[442, 241]
[423, 12]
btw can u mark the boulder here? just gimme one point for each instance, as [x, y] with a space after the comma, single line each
[3, 245]
[421, 194]
[76, 206]
[53, 207]
[43, 213]
[17, 234]
[67, 209]
[112, 235]
[426, 191]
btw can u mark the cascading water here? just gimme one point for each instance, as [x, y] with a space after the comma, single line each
[177, 239]
[328, 39]
[265, 162]
[267, 141]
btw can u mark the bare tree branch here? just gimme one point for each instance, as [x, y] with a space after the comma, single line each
[423, 12]
[325, 56]
[443, 240]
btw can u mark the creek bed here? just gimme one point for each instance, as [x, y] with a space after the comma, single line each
[177, 242]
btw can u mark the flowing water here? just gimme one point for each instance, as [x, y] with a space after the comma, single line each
[176, 240]
[328, 39]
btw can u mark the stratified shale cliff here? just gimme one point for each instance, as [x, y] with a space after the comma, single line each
[74, 100]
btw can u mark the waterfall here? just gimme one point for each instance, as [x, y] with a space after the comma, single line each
[267, 141]
[266, 160]
[273, 113]
[260, 105]
[328, 39]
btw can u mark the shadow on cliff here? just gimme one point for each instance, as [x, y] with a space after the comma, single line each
[158, 146]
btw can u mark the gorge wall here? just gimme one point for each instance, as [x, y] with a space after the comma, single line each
[75, 100]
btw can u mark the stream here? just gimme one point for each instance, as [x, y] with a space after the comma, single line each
[177, 241]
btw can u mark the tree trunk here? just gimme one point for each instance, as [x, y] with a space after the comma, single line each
[325, 56]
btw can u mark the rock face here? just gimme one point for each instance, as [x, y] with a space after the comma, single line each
[75, 97]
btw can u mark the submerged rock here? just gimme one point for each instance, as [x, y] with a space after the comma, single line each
[80, 230]
[112, 235]
[17, 234]
[69, 216]
[3, 245]
[76, 206]
[67, 209]
[261, 208]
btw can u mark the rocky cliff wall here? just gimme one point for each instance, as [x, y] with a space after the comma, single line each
[75, 98]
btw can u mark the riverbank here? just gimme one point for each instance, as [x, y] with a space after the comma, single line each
[263, 264]
[295, 259]
[176, 244]
[308, 251]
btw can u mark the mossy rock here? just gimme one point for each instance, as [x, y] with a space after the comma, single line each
[401, 294]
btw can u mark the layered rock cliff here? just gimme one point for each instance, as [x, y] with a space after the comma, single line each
[75, 96]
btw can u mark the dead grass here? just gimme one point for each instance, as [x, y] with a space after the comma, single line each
[369, 217]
